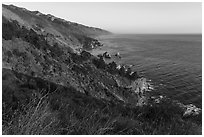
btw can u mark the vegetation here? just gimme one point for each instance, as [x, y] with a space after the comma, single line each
[11, 29]
[59, 110]
[40, 120]
[49, 89]
[35, 119]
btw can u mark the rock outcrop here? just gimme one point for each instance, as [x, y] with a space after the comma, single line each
[106, 55]
[118, 55]
[186, 110]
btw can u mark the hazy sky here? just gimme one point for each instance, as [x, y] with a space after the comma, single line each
[135, 17]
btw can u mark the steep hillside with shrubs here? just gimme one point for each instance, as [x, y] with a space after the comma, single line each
[51, 84]
[65, 32]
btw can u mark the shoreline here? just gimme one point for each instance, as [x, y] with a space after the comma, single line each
[52, 84]
[188, 109]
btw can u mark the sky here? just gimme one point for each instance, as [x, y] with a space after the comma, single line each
[127, 17]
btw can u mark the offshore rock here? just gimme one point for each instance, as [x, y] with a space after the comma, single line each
[127, 72]
[106, 55]
[118, 55]
[122, 70]
[118, 67]
[100, 55]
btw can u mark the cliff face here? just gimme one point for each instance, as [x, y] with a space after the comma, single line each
[44, 55]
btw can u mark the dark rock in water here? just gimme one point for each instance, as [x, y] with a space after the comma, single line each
[128, 72]
[118, 55]
[122, 71]
[134, 76]
[106, 55]
[99, 55]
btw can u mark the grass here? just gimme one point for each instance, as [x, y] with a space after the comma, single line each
[41, 117]
[35, 119]
[70, 112]
[92, 123]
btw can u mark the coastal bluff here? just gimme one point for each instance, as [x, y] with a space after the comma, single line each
[52, 84]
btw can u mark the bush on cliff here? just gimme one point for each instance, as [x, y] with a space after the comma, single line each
[99, 63]
[61, 110]
[40, 117]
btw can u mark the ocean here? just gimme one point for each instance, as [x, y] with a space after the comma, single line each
[171, 63]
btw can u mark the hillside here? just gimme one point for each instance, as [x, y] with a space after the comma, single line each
[64, 32]
[53, 85]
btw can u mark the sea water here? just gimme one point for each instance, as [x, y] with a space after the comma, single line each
[173, 63]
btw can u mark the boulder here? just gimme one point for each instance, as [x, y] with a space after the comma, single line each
[122, 71]
[99, 55]
[106, 55]
[118, 67]
[134, 75]
[118, 55]
[128, 72]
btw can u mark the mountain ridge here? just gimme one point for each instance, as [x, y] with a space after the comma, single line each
[65, 31]
[53, 17]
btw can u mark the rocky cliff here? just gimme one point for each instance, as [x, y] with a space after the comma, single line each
[43, 55]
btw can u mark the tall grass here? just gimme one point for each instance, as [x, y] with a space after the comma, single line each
[35, 119]
[91, 123]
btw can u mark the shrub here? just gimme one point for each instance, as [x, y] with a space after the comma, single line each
[89, 122]
[35, 119]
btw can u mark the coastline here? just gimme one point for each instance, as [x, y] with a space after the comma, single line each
[52, 84]
[188, 109]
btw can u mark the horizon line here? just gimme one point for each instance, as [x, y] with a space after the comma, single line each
[157, 33]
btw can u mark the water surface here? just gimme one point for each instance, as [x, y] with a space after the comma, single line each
[172, 62]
